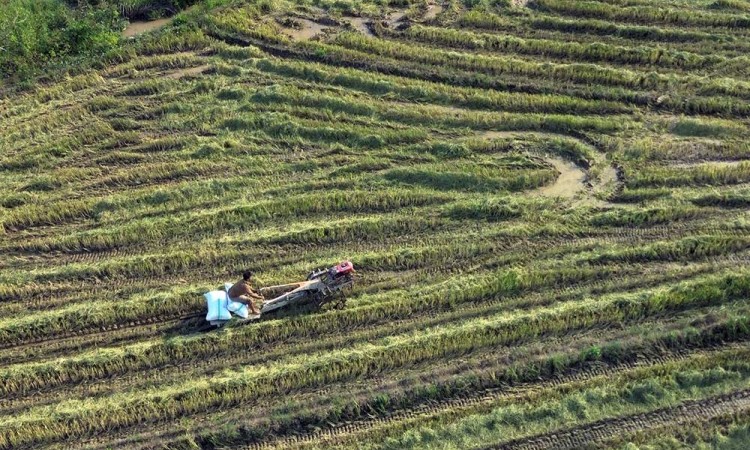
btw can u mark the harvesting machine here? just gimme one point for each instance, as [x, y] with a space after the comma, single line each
[321, 287]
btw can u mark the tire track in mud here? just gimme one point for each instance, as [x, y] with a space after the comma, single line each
[139, 27]
[101, 384]
[155, 320]
[686, 412]
[308, 29]
[574, 438]
[169, 320]
[161, 435]
[54, 348]
[221, 360]
[148, 377]
[167, 323]
[686, 433]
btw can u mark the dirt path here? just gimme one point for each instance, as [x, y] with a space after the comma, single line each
[140, 27]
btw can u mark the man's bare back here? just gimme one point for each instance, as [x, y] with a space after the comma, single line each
[240, 288]
[243, 292]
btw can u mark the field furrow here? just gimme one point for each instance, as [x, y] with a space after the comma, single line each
[545, 203]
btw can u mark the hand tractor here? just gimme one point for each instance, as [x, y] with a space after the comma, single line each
[322, 286]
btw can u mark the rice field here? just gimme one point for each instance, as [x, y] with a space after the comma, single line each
[547, 204]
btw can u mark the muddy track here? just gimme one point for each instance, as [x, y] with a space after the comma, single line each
[433, 10]
[149, 377]
[168, 321]
[42, 229]
[138, 27]
[54, 348]
[91, 286]
[571, 179]
[309, 29]
[158, 436]
[687, 433]
[690, 411]
[157, 320]
[361, 24]
[222, 360]
[30, 351]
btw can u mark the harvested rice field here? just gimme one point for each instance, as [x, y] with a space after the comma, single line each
[547, 204]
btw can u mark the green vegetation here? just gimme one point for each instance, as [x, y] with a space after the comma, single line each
[36, 31]
[546, 203]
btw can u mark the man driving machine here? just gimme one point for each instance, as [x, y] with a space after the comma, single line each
[243, 292]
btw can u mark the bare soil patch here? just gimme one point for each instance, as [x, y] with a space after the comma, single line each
[396, 17]
[140, 27]
[308, 31]
[361, 24]
[571, 180]
[569, 183]
[190, 71]
[432, 11]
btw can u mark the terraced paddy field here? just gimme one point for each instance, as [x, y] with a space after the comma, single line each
[546, 202]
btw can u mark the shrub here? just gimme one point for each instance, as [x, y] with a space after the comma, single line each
[36, 32]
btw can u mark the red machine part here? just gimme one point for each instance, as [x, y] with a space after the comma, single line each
[343, 268]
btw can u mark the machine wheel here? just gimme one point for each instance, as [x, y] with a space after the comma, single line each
[317, 300]
[341, 303]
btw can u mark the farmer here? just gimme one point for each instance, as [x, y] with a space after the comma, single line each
[243, 292]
